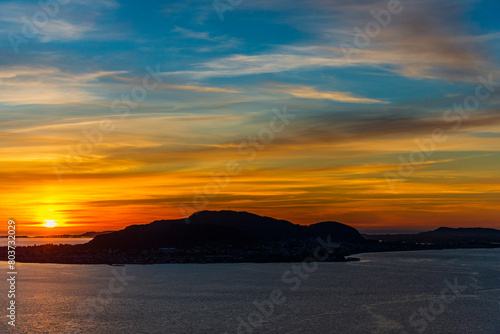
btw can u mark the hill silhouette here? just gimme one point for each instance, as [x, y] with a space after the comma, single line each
[478, 234]
[227, 227]
[445, 234]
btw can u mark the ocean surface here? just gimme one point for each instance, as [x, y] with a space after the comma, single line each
[445, 292]
[43, 241]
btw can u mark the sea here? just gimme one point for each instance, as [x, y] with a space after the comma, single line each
[436, 291]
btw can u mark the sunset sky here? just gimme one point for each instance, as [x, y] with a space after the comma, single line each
[121, 112]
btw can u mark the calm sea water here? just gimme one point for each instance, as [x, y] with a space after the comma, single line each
[383, 293]
[43, 241]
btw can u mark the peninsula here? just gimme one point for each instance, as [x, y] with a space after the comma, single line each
[230, 236]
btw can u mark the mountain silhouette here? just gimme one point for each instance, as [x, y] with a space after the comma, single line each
[221, 227]
[445, 234]
[478, 234]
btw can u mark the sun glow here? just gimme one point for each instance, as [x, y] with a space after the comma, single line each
[50, 223]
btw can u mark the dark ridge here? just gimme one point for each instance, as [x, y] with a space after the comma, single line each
[338, 231]
[445, 234]
[220, 227]
[168, 234]
[469, 233]
[257, 227]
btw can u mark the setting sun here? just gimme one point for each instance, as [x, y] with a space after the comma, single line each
[50, 223]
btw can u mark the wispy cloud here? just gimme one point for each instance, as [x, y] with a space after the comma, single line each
[428, 39]
[425, 41]
[59, 30]
[307, 92]
[71, 21]
[238, 65]
[183, 87]
[403, 58]
[200, 88]
[47, 85]
[186, 33]
[214, 42]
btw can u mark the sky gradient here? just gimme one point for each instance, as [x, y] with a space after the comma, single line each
[123, 112]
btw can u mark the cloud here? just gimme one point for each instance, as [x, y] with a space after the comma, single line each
[186, 33]
[73, 21]
[410, 58]
[214, 42]
[307, 92]
[238, 65]
[184, 87]
[427, 40]
[59, 30]
[407, 58]
[47, 85]
[200, 89]
[52, 30]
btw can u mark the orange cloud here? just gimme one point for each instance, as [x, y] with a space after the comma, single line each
[307, 92]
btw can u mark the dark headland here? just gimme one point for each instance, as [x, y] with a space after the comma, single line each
[230, 236]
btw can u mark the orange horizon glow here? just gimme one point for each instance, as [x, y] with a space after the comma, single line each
[133, 130]
[106, 194]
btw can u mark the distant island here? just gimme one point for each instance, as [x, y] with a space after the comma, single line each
[83, 235]
[229, 236]
[55, 236]
[445, 234]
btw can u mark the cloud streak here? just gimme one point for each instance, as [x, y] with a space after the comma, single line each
[47, 85]
[307, 92]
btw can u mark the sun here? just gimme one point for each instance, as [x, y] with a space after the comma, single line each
[50, 223]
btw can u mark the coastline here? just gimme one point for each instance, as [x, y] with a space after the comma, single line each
[146, 257]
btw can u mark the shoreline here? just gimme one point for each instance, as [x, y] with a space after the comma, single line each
[337, 258]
